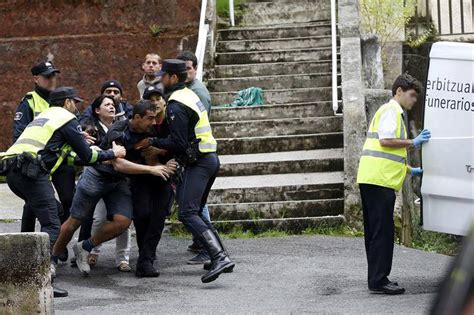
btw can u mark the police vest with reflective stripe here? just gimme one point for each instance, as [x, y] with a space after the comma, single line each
[38, 133]
[383, 166]
[203, 127]
[36, 103]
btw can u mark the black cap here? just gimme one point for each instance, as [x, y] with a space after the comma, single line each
[172, 66]
[63, 93]
[109, 84]
[44, 68]
[149, 91]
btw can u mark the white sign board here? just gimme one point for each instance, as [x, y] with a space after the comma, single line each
[448, 159]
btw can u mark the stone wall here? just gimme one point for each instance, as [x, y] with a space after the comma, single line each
[90, 41]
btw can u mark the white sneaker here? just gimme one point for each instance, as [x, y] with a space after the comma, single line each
[81, 259]
[52, 269]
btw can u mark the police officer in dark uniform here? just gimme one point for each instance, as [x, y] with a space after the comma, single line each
[41, 148]
[33, 104]
[194, 147]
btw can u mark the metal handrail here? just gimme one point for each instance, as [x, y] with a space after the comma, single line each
[231, 13]
[202, 39]
[335, 105]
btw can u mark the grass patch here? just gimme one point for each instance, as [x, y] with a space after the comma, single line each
[3, 179]
[441, 243]
[7, 220]
[238, 232]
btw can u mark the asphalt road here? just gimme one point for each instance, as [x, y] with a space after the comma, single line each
[301, 274]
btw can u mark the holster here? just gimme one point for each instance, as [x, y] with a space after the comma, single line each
[31, 166]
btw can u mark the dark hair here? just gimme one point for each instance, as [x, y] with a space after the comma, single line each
[406, 82]
[142, 107]
[58, 103]
[182, 77]
[98, 101]
[187, 55]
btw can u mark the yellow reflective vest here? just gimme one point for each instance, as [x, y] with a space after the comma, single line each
[202, 129]
[38, 133]
[36, 103]
[383, 166]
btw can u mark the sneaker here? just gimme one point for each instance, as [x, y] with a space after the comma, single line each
[124, 267]
[57, 292]
[73, 262]
[81, 258]
[195, 247]
[200, 259]
[52, 269]
[63, 256]
[92, 259]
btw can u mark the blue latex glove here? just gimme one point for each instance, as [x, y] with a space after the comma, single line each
[416, 171]
[423, 137]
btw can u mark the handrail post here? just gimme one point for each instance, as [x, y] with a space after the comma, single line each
[201, 44]
[335, 105]
[231, 13]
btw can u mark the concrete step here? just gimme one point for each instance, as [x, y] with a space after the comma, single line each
[292, 30]
[276, 68]
[326, 160]
[273, 44]
[302, 80]
[277, 127]
[248, 145]
[273, 13]
[272, 56]
[283, 111]
[281, 96]
[277, 209]
[277, 187]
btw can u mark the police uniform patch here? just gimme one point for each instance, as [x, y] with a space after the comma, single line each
[18, 116]
[200, 105]
[79, 128]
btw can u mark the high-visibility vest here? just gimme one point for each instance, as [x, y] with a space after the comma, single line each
[202, 129]
[38, 133]
[383, 166]
[36, 103]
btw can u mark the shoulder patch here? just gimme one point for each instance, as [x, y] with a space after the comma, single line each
[18, 116]
[201, 107]
[79, 128]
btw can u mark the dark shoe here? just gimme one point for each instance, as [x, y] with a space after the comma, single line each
[219, 259]
[389, 288]
[57, 292]
[207, 266]
[195, 247]
[200, 259]
[146, 271]
[63, 257]
[73, 262]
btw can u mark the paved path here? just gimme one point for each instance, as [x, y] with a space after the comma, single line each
[301, 274]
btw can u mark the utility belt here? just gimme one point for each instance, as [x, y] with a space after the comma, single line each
[191, 155]
[29, 165]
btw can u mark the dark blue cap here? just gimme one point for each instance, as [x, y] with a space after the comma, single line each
[44, 68]
[172, 66]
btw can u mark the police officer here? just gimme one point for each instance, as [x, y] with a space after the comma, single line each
[33, 104]
[41, 148]
[382, 170]
[194, 147]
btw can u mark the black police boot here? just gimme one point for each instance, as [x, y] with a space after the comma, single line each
[208, 265]
[146, 270]
[219, 259]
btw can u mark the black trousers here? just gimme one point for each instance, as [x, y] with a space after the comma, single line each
[378, 204]
[152, 198]
[38, 195]
[64, 182]
[192, 193]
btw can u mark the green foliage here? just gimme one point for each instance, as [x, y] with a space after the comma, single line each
[3, 179]
[155, 30]
[429, 34]
[222, 7]
[386, 18]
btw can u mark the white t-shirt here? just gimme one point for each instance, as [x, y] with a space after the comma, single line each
[387, 128]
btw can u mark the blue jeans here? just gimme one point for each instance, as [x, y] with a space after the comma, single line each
[205, 213]
[192, 193]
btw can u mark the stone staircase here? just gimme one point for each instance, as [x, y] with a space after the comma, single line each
[282, 163]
